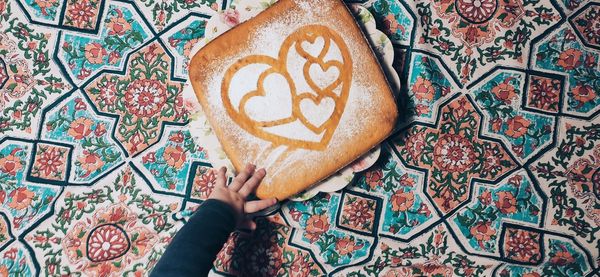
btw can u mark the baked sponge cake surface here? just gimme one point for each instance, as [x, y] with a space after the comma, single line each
[296, 90]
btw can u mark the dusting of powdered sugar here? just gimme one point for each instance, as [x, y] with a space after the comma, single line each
[267, 39]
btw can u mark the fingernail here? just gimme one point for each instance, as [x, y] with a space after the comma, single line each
[263, 171]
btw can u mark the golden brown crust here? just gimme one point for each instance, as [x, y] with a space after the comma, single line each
[363, 122]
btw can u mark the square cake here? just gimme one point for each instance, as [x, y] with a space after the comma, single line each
[296, 90]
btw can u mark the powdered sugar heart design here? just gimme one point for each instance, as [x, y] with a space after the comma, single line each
[314, 47]
[258, 104]
[274, 109]
[317, 111]
[324, 77]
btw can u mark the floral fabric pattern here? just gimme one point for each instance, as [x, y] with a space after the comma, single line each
[492, 170]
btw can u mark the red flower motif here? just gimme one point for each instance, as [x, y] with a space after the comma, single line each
[100, 129]
[145, 98]
[20, 198]
[402, 201]
[522, 246]
[10, 164]
[113, 57]
[476, 11]
[482, 232]
[118, 25]
[316, 225]
[149, 158]
[49, 161]
[584, 93]
[373, 177]
[79, 104]
[544, 93]
[485, 198]
[421, 109]
[177, 137]
[84, 73]
[496, 124]
[98, 244]
[505, 92]
[108, 93]
[300, 266]
[205, 182]
[106, 242]
[515, 180]
[569, 59]
[423, 89]
[175, 156]
[346, 246]
[454, 153]
[517, 126]
[562, 258]
[95, 53]
[358, 213]
[415, 144]
[406, 181]
[90, 162]
[81, 12]
[506, 203]
[80, 128]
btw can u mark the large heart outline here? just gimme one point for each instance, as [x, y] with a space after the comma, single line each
[309, 34]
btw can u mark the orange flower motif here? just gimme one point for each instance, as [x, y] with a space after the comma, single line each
[562, 258]
[10, 164]
[506, 203]
[482, 231]
[95, 53]
[532, 274]
[584, 93]
[118, 26]
[20, 198]
[517, 126]
[505, 92]
[391, 24]
[398, 272]
[3, 271]
[188, 46]
[422, 109]
[406, 180]
[569, 59]
[174, 156]
[423, 89]
[346, 246]
[90, 162]
[485, 198]
[316, 225]
[373, 178]
[80, 128]
[402, 201]
[44, 4]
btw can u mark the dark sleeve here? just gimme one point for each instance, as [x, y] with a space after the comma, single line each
[194, 248]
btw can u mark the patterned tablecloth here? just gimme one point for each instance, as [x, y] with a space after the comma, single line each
[494, 170]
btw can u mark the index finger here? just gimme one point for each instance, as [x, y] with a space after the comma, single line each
[221, 179]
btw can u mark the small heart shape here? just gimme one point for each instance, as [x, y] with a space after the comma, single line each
[317, 112]
[314, 48]
[325, 77]
[272, 101]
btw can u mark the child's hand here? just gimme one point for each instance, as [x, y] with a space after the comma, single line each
[235, 194]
